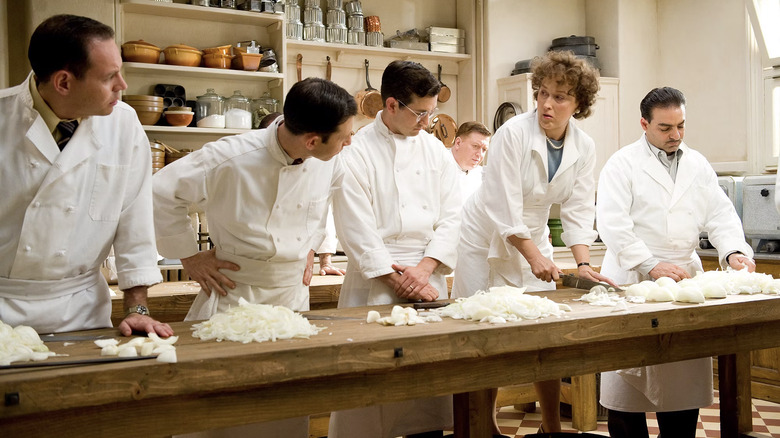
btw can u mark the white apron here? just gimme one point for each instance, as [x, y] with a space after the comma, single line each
[666, 387]
[390, 419]
[82, 302]
[289, 291]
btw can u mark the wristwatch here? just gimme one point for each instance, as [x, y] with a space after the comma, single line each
[139, 309]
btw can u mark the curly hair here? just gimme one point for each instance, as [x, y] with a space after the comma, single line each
[565, 68]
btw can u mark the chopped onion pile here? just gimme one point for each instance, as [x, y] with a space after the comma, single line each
[401, 316]
[21, 344]
[255, 322]
[151, 346]
[601, 296]
[502, 304]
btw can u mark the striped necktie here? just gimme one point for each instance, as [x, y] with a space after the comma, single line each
[66, 132]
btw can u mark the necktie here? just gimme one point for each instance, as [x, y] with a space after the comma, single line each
[66, 132]
[297, 161]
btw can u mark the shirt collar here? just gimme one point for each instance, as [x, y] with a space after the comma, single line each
[44, 109]
[661, 154]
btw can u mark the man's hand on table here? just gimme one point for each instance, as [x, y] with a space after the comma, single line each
[664, 269]
[425, 293]
[204, 267]
[588, 273]
[740, 261]
[327, 267]
[143, 323]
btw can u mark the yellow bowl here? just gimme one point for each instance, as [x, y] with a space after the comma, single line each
[148, 117]
[140, 51]
[225, 50]
[217, 60]
[182, 55]
[247, 61]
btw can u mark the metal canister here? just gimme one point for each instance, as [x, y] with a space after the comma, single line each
[336, 17]
[294, 30]
[314, 32]
[311, 3]
[336, 34]
[230, 4]
[200, 2]
[356, 37]
[374, 39]
[312, 15]
[355, 22]
[293, 13]
[335, 4]
[353, 7]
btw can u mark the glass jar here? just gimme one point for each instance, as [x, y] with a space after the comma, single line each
[209, 112]
[261, 107]
[238, 111]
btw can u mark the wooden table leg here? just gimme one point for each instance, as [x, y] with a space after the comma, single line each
[583, 402]
[736, 415]
[472, 414]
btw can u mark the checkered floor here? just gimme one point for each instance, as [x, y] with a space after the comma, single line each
[766, 421]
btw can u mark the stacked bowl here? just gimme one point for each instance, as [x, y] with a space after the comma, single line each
[148, 108]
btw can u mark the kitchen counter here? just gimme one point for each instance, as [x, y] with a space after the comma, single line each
[351, 364]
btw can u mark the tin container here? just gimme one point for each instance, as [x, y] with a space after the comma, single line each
[314, 32]
[312, 15]
[336, 17]
[374, 39]
[293, 30]
[356, 37]
[355, 22]
[336, 34]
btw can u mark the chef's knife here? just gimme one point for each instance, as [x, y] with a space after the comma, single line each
[576, 282]
[93, 361]
[72, 338]
[328, 317]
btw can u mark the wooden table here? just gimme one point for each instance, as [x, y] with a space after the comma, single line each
[352, 364]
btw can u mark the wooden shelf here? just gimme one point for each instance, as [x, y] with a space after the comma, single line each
[199, 72]
[192, 130]
[339, 49]
[179, 10]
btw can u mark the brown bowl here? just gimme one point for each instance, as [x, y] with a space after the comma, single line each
[225, 50]
[247, 61]
[140, 51]
[217, 60]
[142, 98]
[179, 118]
[180, 54]
[148, 117]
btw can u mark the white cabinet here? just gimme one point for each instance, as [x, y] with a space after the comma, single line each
[602, 125]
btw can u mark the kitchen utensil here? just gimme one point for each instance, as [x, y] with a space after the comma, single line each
[579, 45]
[444, 128]
[576, 282]
[430, 305]
[217, 60]
[369, 101]
[95, 361]
[210, 109]
[299, 66]
[328, 69]
[178, 118]
[505, 111]
[269, 57]
[225, 50]
[328, 318]
[140, 51]
[247, 61]
[444, 93]
[75, 338]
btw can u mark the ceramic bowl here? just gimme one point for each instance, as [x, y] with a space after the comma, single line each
[179, 118]
[140, 51]
[247, 61]
[217, 60]
[182, 55]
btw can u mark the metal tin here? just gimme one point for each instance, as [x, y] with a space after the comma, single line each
[293, 13]
[374, 39]
[355, 22]
[356, 37]
[311, 3]
[200, 2]
[230, 4]
[335, 4]
[336, 34]
[294, 30]
[314, 32]
[353, 7]
[336, 17]
[373, 24]
[312, 15]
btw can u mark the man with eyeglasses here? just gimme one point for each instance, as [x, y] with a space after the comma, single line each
[398, 218]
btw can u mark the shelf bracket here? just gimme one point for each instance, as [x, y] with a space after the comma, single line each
[278, 26]
[275, 83]
[338, 55]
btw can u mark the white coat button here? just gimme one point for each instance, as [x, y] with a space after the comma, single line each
[300, 205]
[298, 238]
[403, 205]
[33, 164]
[60, 253]
[278, 239]
[27, 248]
[397, 170]
[36, 204]
[70, 209]
[303, 170]
[277, 207]
[418, 172]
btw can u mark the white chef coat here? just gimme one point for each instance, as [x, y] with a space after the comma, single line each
[469, 180]
[400, 202]
[515, 199]
[642, 213]
[264, 214]
[60, 213]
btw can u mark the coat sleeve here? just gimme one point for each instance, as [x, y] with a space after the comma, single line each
[579, 210]
[176, 187]
[613, 215]
[136, 254]
[356, 224]
[446, 229]
[723, 227]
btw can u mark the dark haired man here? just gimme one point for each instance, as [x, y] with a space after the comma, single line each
[654, 198]
[75, 180]
[397, 217]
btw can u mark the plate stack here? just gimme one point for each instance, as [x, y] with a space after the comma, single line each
[293, 25]
[374, 35]
[337, 23]
[158, 155]
[356, 33]
[313, 29]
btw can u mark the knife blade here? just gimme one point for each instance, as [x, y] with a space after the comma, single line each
[576, 282]
[327, 317]
[71, 338]
[94, 361]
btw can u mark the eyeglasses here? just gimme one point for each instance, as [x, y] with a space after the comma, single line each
[421, 115]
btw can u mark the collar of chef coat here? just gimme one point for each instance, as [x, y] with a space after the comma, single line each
[653, 167]
[277, 152]
[43, 108]
[570, 151]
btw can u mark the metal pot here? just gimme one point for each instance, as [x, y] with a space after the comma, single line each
[444, 93]
[579, 45]
[369, 101]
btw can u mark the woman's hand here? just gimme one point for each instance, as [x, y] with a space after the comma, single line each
[544, 268]
[587, 272]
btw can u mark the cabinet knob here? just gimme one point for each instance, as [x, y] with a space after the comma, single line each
[765, 192]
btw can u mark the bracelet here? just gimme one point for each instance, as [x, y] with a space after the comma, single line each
[583, 264]
[731, 254]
